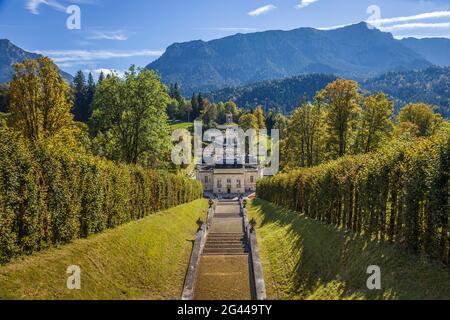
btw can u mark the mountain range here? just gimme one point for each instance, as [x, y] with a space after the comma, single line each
[11, 54]
[355, 51]
[431, 86]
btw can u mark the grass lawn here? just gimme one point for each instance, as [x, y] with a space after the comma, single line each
[145, 259]
[306, 259]
[182, 125]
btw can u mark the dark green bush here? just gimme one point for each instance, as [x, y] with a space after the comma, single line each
[49, 198]
[398, 194]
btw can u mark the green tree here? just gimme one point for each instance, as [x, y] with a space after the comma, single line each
[4, 98]
[80, 93]
[259, 114]
[305, 139]
[221, 113]
[185, 111]
[130, 119]
[421, 117]
[201, 104]
[195, 107]
[248, 121]
[280, 122]
[101, 77]
[375, 122]
[342, 98]
[173, 109]
[40, 103]
[231, 107]
[209, 114]
[90, 92]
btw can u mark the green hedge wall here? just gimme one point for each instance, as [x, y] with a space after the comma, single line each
[399, 194]
[48, 198]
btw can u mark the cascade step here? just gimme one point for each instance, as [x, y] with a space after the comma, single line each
[225, 241]
[225, 251]
[225, 245]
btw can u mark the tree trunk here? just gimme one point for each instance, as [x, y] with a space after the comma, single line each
[393, 215]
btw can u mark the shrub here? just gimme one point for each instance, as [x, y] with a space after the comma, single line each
[398, 194]
[49, 198]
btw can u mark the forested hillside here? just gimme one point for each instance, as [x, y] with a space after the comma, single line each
[434, 50]
[282, 94]
[431, 86]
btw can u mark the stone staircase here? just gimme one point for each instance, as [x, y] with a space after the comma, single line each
[225, 244]
[227, 234]
[223, 264]
[224, 270]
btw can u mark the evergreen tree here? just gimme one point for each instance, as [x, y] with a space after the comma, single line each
[201, 104]
[90, 91]
[80, 92]
[4, 98]
[195, 106]
[101, 77]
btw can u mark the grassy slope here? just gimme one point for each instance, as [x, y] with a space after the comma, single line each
[182, 125]
[305, 259]
[146, 259]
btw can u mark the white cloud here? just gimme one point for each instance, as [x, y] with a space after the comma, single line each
[108, 35]
[80, 56]
[334, 27]
[410, 26]
[392, 24]
[262, 10]
[96, 72]
[33, 5]
[305, 3]
[422, 16]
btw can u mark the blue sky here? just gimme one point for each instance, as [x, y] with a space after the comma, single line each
[115, 33]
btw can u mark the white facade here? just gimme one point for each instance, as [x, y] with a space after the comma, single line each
[228, 180]
[231, 175]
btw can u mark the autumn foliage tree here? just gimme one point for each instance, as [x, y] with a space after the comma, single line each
[248, 121]
[375, 123]
[419, 118]
[342, 100]
[304, 143]
[40, 103]
[259, 114]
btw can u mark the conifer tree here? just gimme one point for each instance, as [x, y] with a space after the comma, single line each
[79, 88]
[195, 106]
[101, 77]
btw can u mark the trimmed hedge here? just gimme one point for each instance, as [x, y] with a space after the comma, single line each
[48, 198]
[399, 194]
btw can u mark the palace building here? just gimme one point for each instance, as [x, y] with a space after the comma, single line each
[232, 175]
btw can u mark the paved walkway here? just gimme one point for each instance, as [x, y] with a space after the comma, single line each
[223, 272]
